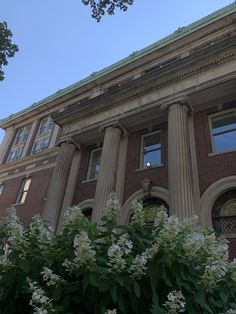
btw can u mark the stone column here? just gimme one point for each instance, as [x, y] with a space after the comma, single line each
[179, 162]
[108, 169]
[70, 189]
[58, 183]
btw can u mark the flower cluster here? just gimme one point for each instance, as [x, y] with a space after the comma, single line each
[137, 214]
[118, 251]
[50, 278]
[39, 301]
[175, 303]
[41, 232]
[112, 209]
[111, 311]
[84, 253]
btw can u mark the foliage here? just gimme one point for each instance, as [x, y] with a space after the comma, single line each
[7, 49]
[167, 267]
[100, 7]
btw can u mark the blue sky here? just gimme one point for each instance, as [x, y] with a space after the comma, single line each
[60, 43]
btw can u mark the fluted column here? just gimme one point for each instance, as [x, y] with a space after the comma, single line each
[58, 183]
[108, 169]
[179, 162]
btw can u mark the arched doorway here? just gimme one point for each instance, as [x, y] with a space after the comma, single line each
[224, 213]
[151, 205]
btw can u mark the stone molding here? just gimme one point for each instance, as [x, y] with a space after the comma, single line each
[211, 194]
[86, 203]
[69, 140]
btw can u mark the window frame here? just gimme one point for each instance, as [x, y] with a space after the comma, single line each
[92, 151]
[42, 137]
[2, 188]
[19, 146]
[215, 115]
[23, 190]
[141, 157]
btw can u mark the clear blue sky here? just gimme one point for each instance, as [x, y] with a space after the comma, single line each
[60, 43]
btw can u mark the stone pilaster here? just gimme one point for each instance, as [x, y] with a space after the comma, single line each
[58, 183]
[179, 162]
[108, 169]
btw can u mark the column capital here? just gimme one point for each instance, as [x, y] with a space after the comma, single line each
[114, 124]
[69, 140]
[182, 101]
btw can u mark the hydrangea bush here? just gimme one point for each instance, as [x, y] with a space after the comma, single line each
[166, 267]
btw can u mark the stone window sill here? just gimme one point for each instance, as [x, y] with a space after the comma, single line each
[149, 168]
[89, 180]
[220, 153]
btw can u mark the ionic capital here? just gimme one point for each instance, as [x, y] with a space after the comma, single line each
[69, 140]
[115, 125]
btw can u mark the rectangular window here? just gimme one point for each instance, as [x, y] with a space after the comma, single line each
[150, 150]
[24, 189]
[224, 131]
[43, 136]
[1, 189]
[18, 144]
[94, 164]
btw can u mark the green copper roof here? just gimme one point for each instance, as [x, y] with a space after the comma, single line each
[133, 56]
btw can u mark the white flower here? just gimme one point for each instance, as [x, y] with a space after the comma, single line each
[215, 272]
[51, 278]
[137, 214]
[117, 252]
[193, 243]
[39, 301]
[231, 311]
[84, 253]
[72, 214]
[112, 208]
[161, 217]
[175, 303]
[111, 312]
[138, 268]
[39, 230]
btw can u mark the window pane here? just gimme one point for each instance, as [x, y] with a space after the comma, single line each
[95, 164]
[23, 197]
[27, 184]
[152, 158]
[224, 142]
[1, 188]
[224, 123]
[151, 142]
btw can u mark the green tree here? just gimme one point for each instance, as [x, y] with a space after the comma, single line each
[99, 8]
[7, 48]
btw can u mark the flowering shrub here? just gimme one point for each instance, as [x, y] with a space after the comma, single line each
[165, 268]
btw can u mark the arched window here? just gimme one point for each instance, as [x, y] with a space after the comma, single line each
[224, 213]
[88, 213]
[150, 205]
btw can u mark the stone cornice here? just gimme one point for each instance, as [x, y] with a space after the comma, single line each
[182, 69]
[181, 39]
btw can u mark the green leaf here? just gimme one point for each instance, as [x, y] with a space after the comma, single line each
[24, 265]
[114, 294]
[136, 289]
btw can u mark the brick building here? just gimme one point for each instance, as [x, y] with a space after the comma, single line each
[158, 126]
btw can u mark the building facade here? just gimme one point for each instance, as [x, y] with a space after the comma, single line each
[158, 126]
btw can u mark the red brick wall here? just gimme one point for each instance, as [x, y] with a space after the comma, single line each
[133, 179]
[210, 168]
[35, 197]
[85, 190]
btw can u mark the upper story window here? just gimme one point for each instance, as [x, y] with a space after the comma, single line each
[43, 136]
[150, 150]
[1, 189]
[24, 189]
[224, 131]
[94, 164]
[18, 144]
